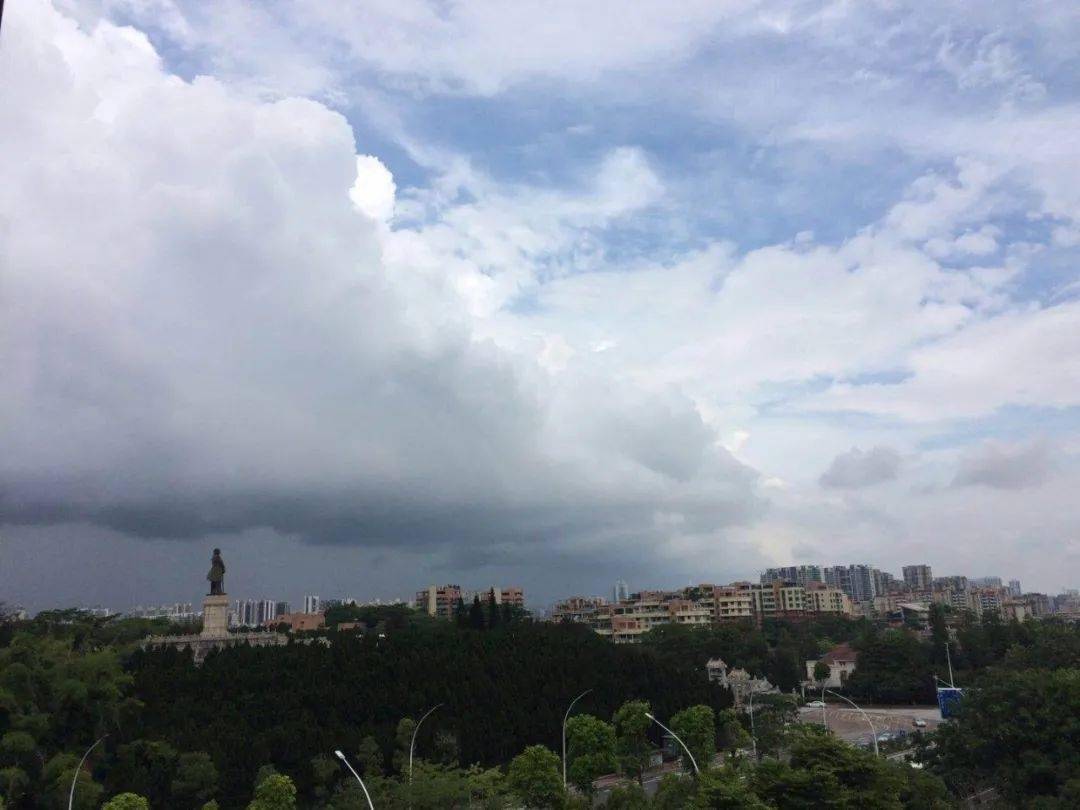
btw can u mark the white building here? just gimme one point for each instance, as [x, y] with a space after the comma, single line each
[312, 604]
[840, 660]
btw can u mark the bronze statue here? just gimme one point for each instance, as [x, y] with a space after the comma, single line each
[217, 574]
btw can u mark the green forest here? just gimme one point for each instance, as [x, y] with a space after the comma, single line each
[258, 727]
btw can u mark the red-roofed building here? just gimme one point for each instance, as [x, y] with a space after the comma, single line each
[840, 660]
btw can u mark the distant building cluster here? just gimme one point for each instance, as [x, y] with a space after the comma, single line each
[626, 620]
[442, 600]
[804, 591]
[181, 612]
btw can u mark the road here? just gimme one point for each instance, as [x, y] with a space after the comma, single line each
[850, 725]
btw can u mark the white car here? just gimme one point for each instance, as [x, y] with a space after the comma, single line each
[816, 704]
[918, 723]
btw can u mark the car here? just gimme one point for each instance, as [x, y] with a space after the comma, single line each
[815, 704]
[918, 723]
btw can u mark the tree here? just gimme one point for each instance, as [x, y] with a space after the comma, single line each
[126, 801]
[674, 792]
[494, 616]
[696, 727]
[590, 750]
[1016, 731]
[195, 779]
[145, 767]
[730, 733]
[461, 613]
[275, 792]
[772, 716]
[57, 776]
[402, 741]
[476, 614]
[723, 789]
[822, 671]
[324, 774]
[633, 748]
[369, 757]
[14, 783]
[627, 797]
[534, 777]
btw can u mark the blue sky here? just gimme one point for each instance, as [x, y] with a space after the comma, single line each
[555, 293]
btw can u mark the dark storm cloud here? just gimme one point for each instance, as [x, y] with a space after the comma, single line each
[855, 468]
[208, 342]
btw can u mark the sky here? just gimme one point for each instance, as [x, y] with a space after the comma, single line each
[376, 295]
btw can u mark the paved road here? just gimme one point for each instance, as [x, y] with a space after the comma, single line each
[850, 725]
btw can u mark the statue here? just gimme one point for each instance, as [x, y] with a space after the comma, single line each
[217, 574]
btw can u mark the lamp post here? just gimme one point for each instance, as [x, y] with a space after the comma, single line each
[363, 787]
[866, 717]
[412, 742]
[824, 717]
[78, 769]
[676, 736]
[753, 732]
[564, 719]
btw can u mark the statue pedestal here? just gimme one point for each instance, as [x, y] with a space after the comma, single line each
[215, 616]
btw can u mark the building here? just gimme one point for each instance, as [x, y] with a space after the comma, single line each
[985, 582]
[312, 604]
[282, 608]
[175, 612]
[298, 622]
[799, 574]
[1014, 588]
[918, 577]
[857, 581]
[442, 600]
[578, 609]
[439, 601]
[621, 591]
[841, 661]
[822, 598]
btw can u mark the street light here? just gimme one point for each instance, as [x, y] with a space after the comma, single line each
[363, 787]
[866, 717]
[676, 736]
[78, 769]
[753, 732]
[564, 719]
[412, 742]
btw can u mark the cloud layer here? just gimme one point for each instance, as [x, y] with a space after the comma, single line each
[430, 284]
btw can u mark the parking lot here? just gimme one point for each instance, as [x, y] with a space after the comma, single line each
[849, 724]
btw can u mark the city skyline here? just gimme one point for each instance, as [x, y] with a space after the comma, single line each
[578, 290]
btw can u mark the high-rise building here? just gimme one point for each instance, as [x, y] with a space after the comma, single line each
[857, 581]
[312, 604]
[266, 611]
[918, 577]
[621, 591]
[282, 608]
[1014, 588]
[985, 582]
[800, 574]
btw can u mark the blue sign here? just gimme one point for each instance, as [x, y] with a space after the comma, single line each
[948, 701]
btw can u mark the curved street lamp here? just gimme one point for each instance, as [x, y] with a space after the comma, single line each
[753, 731]
[363, 787]
[412, 742]
[866, 717]
[676, 736]
[78, 770]
[564, 719]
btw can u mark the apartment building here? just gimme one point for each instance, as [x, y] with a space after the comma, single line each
[442, 600]
[579, 609]
[918, 577]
